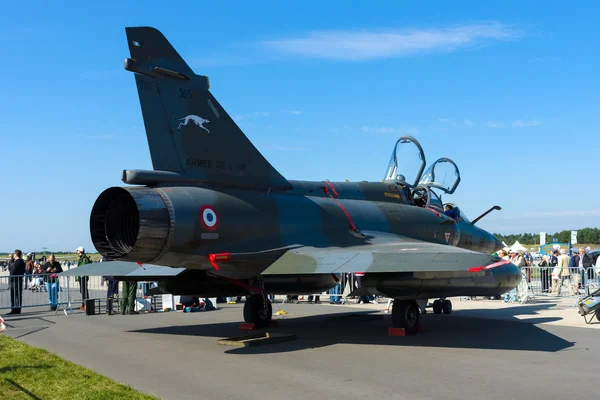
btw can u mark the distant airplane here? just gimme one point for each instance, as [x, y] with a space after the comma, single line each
[226, 223]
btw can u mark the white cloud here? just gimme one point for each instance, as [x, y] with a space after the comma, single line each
[238, 118]
[295, 112]
[219, 60]
[389, 43]
[493, 125]
[334, 130]
[387, 129]
[447, 121]
[521, 124]
[464, 122]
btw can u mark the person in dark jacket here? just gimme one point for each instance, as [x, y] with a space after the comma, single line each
[112, 292]
[83, 280]
[16, 271]
[582, 262]
[50, 269]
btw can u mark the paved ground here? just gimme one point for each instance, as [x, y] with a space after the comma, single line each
[343, 352]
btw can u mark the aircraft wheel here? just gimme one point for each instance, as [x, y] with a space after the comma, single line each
[437, 307]
[447, 307]
[405, 314]
[256, 312]
[598, 315]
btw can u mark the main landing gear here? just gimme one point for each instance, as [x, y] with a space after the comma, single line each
[442, 306]
[405, 314]
[257, 310]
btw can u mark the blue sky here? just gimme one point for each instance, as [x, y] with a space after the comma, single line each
[509, 91]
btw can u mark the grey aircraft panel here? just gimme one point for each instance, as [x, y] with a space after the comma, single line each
[123, 268]
[386, 253]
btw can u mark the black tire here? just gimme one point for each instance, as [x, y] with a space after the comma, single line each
[437, 307]
[447, 307]
[405, 314]
[255, 311]
[598, 315]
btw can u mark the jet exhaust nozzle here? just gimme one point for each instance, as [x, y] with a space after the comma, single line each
[130, 224]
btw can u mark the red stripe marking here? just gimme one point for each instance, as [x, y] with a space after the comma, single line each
[218, 257]
[335, 193]
[347, 216]
[494, 265]
[352, 226]
[499, 263]
[335, 278]
[435, 212]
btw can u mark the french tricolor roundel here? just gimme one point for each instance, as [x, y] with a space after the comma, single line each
[209, 218]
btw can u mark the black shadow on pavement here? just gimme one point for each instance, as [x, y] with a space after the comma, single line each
[360, 327]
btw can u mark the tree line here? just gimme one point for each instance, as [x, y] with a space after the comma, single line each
[586, 235]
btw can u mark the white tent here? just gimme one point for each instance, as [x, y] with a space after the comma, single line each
[518, 246]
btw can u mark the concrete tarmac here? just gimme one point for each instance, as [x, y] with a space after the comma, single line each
[342, 352]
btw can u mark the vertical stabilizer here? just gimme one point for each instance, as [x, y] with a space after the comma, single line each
[187, 129]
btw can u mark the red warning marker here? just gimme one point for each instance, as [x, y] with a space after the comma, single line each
[273, 324]
[248, 326]
[397, 332]
[402, 331]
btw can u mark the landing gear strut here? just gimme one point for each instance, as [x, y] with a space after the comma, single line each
[405, 314]
[442, 306]
[258, 311]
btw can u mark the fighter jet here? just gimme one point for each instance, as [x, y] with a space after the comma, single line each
[227, 223]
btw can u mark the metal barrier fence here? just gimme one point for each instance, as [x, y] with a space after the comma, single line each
[36, 291]
[578, 282]
[65, 291]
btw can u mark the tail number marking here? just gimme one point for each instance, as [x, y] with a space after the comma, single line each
[185, 93]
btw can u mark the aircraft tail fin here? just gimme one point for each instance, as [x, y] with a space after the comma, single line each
[188, 131]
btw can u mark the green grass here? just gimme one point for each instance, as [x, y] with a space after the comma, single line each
[27, 372]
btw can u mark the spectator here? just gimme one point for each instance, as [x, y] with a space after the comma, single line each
[83, 280]
[503, 254]
[112, 292]
[565, 274]
[545, 274]
[517, 259]
[51, 269]
[10, 262]
[16, 271]
[37, 281]
[583, 262]
[317, 299]
[128, 299]
[29, 269]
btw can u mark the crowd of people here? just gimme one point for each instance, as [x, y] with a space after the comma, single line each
[27, 273]
[557, 269]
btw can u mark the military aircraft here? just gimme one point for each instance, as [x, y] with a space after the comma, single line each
[227, 223]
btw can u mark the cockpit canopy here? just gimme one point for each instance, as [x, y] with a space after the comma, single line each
[442, 174]
[407, 162]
